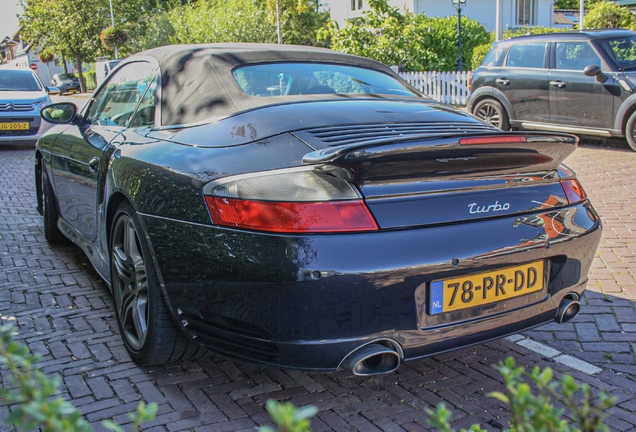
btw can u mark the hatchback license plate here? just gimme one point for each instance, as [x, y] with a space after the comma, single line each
[15, 126]
[483, 288]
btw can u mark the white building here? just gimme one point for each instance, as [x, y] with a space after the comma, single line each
[514, 13]
[14, 52]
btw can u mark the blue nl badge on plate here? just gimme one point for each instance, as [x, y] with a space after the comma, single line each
[436, 300]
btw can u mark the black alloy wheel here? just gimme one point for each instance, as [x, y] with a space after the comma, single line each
[145, 324]
[130, 283]
[49, 213]
[493, 112]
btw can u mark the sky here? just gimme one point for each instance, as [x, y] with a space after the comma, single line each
[8, 19]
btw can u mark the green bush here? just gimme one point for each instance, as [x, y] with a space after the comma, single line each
[479, 53]
[536, 412]
[288, 418]
[607, 14]
[527, 30]
[414, 42]
[530, 412]
[31, 399]
[89, 78]
[31, 395]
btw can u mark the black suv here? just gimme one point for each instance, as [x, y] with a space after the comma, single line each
[578, 82]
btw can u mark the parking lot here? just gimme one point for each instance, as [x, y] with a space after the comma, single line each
[64, 312]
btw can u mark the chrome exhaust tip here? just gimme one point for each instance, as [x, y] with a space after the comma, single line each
[372, 359]
[568, 309]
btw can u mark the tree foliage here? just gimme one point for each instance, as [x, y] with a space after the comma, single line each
[208, 21]
[414, 42]
[300, 20]
[68, 29]
[71, 29]
[566, 4]
[607, 14]
[574, 4]
[46, 55]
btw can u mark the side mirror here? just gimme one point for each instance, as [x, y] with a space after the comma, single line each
[59, 113]
[53, 90]
[595, 70]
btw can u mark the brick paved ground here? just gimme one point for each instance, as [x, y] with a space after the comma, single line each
[64, 312]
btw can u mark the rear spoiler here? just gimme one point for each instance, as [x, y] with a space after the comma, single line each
[555, 146]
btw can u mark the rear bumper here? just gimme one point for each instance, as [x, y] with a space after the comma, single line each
[308, 301]
[69, 88]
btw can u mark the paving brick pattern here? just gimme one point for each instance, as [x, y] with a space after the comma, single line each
[65, 313]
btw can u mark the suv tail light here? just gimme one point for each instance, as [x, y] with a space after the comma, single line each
[288, 201]
[470, 80]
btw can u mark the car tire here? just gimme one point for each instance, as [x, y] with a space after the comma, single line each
[147, 329]
[630, 131]
[493, 112]
[50, 214]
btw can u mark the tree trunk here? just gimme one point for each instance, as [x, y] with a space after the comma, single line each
[78, 65]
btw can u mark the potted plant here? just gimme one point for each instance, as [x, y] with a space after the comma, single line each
[111, 37]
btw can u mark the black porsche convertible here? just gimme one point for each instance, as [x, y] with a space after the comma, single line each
[298, 207]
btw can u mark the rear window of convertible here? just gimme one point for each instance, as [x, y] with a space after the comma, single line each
[287, 79]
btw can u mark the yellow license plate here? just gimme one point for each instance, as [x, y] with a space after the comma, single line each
[483, 288]
[15, 126]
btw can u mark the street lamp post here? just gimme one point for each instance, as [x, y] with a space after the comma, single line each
[458, 4]
[112, 22]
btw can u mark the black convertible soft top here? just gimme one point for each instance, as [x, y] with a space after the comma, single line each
[197, 82]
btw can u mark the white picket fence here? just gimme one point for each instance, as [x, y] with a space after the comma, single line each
[446, 87]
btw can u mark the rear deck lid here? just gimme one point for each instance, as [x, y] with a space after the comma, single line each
[438, 173]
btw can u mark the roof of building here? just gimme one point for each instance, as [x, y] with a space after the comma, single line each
[567, 16]
[628, 3]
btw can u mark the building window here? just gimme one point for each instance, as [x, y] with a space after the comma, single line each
[527, 12]
[356, 5]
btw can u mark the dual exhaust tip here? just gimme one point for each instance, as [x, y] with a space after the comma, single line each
[377, 359]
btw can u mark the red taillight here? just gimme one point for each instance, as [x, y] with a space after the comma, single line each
[289, 217]
[471, 74]
[492, 140]
[573, 190]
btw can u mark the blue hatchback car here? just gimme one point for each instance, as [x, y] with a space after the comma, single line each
[67, 83]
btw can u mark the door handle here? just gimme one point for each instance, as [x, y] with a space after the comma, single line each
[558, 84]
[502, 81]
[93, 164]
